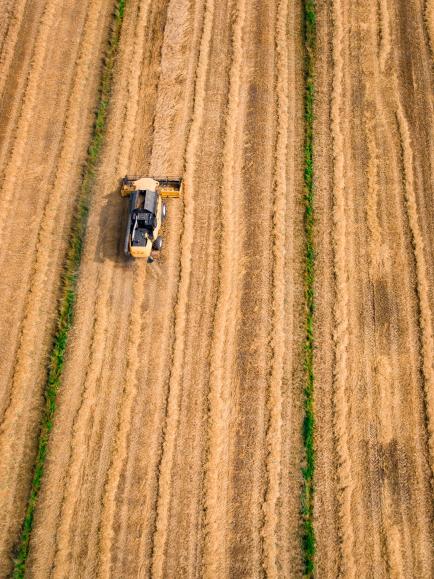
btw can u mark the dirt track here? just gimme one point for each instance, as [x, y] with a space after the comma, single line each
[47, 96]
[174, 431]
[375, 298]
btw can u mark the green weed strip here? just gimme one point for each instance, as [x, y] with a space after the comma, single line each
[308, 470]
[69, 286]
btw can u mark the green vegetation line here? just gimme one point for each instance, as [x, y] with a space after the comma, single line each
[69, 285]
[309, 417]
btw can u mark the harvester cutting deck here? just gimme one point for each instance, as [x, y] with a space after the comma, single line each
[147, 212]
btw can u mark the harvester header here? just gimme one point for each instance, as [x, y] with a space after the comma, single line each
[167, 186]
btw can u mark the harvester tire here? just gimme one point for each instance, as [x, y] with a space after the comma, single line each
[158, 244]
[163, 213]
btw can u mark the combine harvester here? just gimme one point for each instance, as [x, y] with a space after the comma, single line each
[147, 212]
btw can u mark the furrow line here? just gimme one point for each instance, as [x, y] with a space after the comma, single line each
[165, 471]
[386, 356]
[379, 396]
[427, 340]
[34, 310]
[124, 422]
[49, 515]
[157, 384]
[185, 509]
[372, 196]
[132, 81]
[81, 427]
[5, 23]
[7, 48]
[341, 331]
[96, 359]
[389, 364]
[277, 337]
[428, 18]
[130, 386]
[48, 124]
[11, 178]
[386, 37]
[17, 80]
[170, 125]
[199, 377]
[216, 479]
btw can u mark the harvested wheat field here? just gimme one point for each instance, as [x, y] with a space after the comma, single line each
[46, 111]
[374, 376]
[189, 437]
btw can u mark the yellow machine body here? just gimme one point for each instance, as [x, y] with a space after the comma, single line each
[147, 212]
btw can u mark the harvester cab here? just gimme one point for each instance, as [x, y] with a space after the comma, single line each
[147, 212]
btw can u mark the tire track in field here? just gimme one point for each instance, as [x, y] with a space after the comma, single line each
[183, 537]
[120, 452]
[388, 366]
[389, 463]
[216, 479]
[249, 380]
[81, 425]
[8, 182]
[31, 195]
[106, 532]
[427, 340]
[175, 99]
[24, 405]
[95, 281]
[428, 18]
[8, 44]
[367, 55]
[361, 177]
[102, 321]
[16, 80]
[165, 471]
[382, 373]
[341, 331]
[101, 439]
[26, 116]
[385, 34]
[277, 336]
[35, 309]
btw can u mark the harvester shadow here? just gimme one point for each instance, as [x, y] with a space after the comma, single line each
[111, 230]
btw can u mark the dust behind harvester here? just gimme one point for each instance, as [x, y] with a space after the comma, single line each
[147, 212]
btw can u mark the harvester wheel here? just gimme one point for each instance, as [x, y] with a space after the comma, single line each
[163, 213]
[158, 244]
